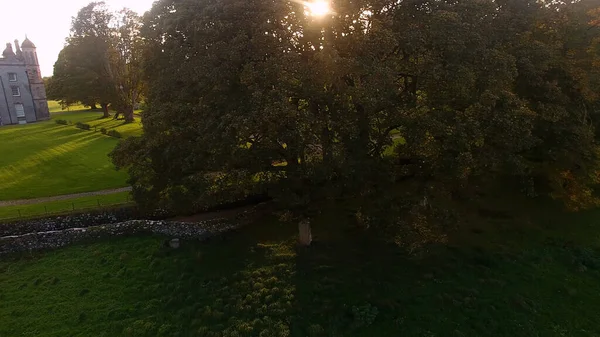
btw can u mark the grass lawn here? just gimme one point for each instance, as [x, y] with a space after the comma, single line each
[505, 281]
[45, 159]
[64, 206]
[94, 118]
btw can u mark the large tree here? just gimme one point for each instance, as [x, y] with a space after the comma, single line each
[396, 106]
[124, 62]
[80, 76]
[101, 61]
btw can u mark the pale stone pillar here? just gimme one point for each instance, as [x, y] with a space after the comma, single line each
[305, 238]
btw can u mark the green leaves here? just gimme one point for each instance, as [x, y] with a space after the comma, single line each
[255, 97]
[101, 62]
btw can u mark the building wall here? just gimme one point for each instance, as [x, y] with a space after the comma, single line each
[8, 101]
[36, 83]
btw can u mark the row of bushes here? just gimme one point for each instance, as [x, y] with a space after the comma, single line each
[112, 133]
[84, 126]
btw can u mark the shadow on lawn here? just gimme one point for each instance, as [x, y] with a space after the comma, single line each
[258, 282]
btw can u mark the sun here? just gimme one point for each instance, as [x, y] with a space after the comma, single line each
[318, 7]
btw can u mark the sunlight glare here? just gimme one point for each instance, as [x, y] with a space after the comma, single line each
[318, 7]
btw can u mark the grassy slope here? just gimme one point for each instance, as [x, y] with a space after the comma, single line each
[257, 283]
[45, 159]
[63, 206]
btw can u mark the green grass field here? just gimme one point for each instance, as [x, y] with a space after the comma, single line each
[45, 159]
[63, 206]
[507, 280]
[79, 113]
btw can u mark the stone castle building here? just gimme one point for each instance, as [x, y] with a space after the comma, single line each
[22, 92]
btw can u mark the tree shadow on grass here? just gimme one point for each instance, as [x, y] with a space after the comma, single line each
[344, 284]
[238, 283]
[257, 282]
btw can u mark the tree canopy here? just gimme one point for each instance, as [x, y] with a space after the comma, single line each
[395, 106]
[101, 61]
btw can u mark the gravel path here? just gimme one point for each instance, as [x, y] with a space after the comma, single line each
[62, 197]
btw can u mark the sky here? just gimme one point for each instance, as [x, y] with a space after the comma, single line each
[47, 23]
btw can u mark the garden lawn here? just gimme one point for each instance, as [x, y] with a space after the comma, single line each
[64, 206]
[81, 114]
[256, 282]
[46, 159]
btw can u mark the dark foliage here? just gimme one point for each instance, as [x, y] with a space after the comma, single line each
[396, 107]
[113, 133]
[83, 126]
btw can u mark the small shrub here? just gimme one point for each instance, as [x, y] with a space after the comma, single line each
[141, 328]
[83, 126]
[364, 315]
[587, 257]
[316, 330]
[166, 330]
[103, 130]
[114, 133]
[61, 121]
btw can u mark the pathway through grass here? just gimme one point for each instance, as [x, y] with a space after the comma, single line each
[64, 206]
[63, 197]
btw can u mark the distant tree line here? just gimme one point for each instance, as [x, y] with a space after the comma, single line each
[396, 108]
[101, 61]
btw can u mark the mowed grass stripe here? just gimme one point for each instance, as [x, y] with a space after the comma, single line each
[66, 165]
[46, 159]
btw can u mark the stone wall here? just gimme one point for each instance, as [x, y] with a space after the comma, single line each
[56, 233]
[80, 220]
[61, 238]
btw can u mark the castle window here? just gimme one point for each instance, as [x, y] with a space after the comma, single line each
[16, 91]
[12, 77]
[20, 110]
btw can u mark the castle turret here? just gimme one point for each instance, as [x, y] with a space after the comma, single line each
[18, 52]
[38, 91]
[8, 52]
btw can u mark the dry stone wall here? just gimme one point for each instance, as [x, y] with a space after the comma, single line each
[79, 220]
[60, 232]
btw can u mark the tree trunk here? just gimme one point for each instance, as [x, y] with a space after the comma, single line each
[305, 237]
[363, 133]
[105, 110]
[326, 143]
[128, 115]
